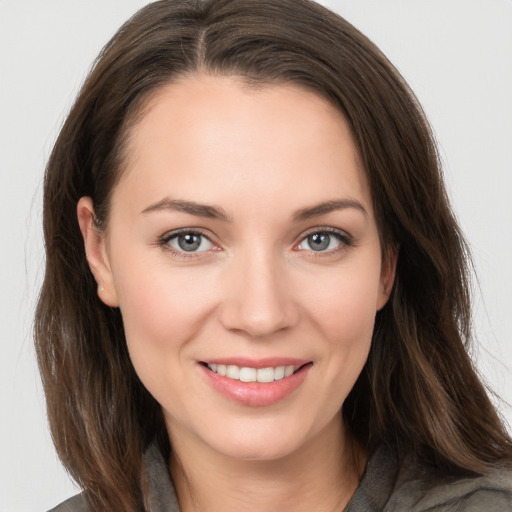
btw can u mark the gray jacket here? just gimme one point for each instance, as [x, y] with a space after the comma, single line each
[386, 487]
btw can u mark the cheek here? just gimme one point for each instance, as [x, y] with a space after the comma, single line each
[156, 300]
[344, 312]
[162, 314]
[345, 306]
[162, 311]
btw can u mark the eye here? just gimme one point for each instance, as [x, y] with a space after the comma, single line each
[324, 241]
[189, 241]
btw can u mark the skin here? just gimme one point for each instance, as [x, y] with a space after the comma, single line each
[255, 289]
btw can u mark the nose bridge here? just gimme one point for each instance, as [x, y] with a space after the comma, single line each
[257, 300]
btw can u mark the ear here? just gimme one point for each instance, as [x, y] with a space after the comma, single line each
[96, 252]
[387, 275]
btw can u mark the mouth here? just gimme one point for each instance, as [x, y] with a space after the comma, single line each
[259, 383]
[251, 374]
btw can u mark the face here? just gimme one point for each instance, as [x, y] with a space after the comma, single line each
[243, 252]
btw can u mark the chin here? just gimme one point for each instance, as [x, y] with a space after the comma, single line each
[257, 451]
[259, 442]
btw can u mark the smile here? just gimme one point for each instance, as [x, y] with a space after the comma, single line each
[248, 374]
[256, 383]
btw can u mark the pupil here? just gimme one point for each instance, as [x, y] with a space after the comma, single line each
[189, 242]
[319, 241]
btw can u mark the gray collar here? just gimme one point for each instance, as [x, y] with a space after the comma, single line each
[371, 495]
[162, 495]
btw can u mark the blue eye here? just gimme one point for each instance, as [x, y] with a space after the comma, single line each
[189, 242]
[323, 241]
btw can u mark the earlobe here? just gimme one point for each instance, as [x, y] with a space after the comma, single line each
[96, 252]
[387, 276]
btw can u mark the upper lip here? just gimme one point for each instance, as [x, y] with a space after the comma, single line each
[267, 362]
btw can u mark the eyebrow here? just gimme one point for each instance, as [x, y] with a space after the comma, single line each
[215, 212]
[328, 207]
[191, 207]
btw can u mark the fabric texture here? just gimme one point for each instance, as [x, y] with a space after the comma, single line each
[386, 486]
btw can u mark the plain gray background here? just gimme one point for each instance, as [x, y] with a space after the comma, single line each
[456, 55]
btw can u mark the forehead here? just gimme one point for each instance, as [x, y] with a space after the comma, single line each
[206, 138]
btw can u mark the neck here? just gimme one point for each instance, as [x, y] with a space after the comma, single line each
[321, 475]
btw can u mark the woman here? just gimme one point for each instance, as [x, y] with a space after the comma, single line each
[256, 293]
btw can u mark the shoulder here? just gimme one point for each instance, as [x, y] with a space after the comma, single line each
[161, 493]
[75, 504]
[393, 485]
[422, 489]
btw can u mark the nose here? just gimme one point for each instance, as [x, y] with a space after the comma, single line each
[257, 297]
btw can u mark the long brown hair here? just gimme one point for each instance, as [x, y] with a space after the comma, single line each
[418, 390]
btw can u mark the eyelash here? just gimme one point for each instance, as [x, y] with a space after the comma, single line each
[344, 238]
[165, 239]
[346, 241]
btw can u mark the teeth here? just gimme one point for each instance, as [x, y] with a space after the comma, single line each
[279, 372]
[266, 374]
[247, 374]
[233, 372]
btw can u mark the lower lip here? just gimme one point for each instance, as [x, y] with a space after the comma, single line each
[256, 394]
